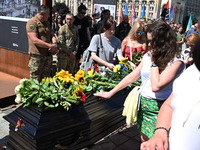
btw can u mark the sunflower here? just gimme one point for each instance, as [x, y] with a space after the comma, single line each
[124, 60]
[47, 79]
[123, 63]
[64, 76]
[116, 68]
[80, 76]
[91, 73]
[78, 90]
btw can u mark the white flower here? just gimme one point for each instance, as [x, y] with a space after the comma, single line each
[102, 74]
[22, 80]
[75, 82]
[18, 98]
[17, 89]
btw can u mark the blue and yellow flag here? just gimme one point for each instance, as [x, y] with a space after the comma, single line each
[189, 23]
[171, 14]
[143, 12]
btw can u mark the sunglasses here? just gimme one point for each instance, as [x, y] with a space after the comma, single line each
[139, 32]
[83, 13]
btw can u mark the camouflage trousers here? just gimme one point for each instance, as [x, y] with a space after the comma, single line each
[40, 66]
[65, 62]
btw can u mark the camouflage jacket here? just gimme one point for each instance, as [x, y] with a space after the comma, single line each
[67, 43]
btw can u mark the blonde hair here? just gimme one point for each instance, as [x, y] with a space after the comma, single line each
[132, 33]
[193, 38]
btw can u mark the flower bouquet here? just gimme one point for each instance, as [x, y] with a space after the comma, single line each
[61, 90]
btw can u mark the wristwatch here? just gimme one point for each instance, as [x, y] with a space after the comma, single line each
[154, 65]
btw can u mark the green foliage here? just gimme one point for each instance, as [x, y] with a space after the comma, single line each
[61, 8]
[136, 57]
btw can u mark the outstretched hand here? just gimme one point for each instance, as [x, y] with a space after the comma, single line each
[105, 95]
[111, 66]
[158, 142]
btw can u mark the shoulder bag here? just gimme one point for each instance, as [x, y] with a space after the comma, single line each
[87, 61]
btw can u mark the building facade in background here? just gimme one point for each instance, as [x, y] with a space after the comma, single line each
[153, 8]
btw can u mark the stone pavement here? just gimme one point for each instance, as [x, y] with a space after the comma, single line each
[4, 125]
[121, 139]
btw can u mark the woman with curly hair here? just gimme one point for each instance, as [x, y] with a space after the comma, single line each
[178, 114]
[158, 69]
[134, 41]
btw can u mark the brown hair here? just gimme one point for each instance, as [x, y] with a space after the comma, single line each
[163, 44]
[108, 23]
[192, 38]
[198, 28]
[43, 8]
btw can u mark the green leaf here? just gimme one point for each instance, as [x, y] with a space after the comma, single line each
[57, 104]
[39, 100]
[89, 88]
[35, 87]
[34, 99]
[51, 106]
[46, 104]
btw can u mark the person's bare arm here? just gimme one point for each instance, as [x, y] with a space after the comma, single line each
[38, 42]
[159, 81]
[133, 76]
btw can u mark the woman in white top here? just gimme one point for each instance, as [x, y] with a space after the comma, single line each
[180, 112]
[158, 68]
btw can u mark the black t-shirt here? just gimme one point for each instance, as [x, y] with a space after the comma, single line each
[83, 30]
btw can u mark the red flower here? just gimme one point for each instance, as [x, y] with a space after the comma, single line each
[83, 97]
[138, 62]
[96, 68]
[143, 52]
[88, 69]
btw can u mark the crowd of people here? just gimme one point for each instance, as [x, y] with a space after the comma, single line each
[162, 68]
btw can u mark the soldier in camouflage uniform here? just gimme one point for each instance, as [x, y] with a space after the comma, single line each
[68, 45]
[40, 49]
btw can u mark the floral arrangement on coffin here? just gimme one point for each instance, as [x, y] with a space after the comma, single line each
[61, 90]
[64, 89]
[102, 78]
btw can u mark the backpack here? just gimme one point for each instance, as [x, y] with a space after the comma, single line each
[87, 61]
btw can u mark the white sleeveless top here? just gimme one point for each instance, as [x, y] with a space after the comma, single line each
[145, 74]
[185, 125]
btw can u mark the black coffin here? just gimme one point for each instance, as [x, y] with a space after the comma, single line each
[81, 126]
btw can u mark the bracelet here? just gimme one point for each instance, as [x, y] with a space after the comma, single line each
[160, 128]
[154, 65]
[55, 43]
